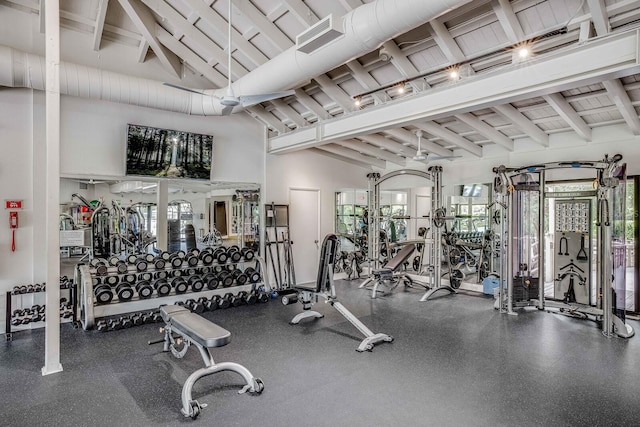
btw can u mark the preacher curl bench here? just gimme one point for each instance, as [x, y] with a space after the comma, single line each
[325, 288]
[194, 329]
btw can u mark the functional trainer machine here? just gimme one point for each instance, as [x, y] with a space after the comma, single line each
[325, 288]
[520, 195]
[432, 237]
[183, 329]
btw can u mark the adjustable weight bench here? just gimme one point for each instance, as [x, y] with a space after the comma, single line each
[194, 329]
[325, 288]
[392, 274]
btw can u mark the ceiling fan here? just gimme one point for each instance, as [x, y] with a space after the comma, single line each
[420, 156]
[230, 100]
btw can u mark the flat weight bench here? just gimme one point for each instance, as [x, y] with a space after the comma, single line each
[204, 334]
[325, 288]
[391, 275]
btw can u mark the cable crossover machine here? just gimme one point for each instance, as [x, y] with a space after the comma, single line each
[431, 239]
[588, 277]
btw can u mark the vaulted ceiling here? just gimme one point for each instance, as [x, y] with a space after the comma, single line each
[579, 71]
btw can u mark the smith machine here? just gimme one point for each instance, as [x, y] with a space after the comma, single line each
[588, 281]
[431, 240]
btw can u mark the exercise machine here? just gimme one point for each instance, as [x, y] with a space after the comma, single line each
[394, 272]
[183, 329]
[325, 289]
[520, 193]
[432, 236]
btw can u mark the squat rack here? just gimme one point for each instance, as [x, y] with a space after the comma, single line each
[433, 237]
[518, 192]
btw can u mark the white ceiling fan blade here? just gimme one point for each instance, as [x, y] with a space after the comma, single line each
[430, 157]
[249, 100]
[226, 111]
[186, 89]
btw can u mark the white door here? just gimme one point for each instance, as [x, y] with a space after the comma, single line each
[304, 228]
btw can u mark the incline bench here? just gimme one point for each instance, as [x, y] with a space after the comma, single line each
[392, 273]
[324, 288]
[204, 334]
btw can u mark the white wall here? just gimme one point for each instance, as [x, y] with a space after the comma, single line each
[308, 170]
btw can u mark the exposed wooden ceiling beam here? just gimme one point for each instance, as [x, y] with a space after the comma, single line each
[99, 26]
[569, 115]
[301, 12]
[211, 52]
[292, 114]
[388, 144]
[341, 158]
[353, 155]
[145, 22]
[372, 150]
[207, 71]
[41, 16]
[508, 20]
[450, 137]
[524, 124]
[266, 27]
[365, 79]
[486, 130]
[305, 99]
[445, 42]
[402, 64]
[599, 16]
[220, 24]
[143, 48]
[335, 92]
[349, 5]
[267, 118]
[619, 96]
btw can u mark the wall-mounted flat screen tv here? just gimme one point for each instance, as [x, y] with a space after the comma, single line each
[168, 153]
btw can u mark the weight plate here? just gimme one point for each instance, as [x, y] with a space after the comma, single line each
[113, 261]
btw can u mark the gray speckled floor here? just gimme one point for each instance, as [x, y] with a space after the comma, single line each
[455, 361]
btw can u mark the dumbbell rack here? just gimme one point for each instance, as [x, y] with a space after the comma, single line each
[9, 313]
[87, 278]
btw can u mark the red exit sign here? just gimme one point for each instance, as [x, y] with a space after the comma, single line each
[13, 204]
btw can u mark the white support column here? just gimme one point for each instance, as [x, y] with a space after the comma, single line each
[52, 202]
[162, 202]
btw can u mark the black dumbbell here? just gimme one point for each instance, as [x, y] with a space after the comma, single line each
[137, 319]
[241, 278]
[124, 292]
[233, 253]
[165, 255]
[145, 276]
[161, 275]
[196, 283]
[162, 287]
[252, 274]
[229, 267]
[126, 321]
[103, 294]
[248, 254]
[218, 269]
[147, 317]
[144, 289]
[131, 259]
[212, 304]
[121, 266]
[129, 278]
[221, 255]
[66, 314]
[251, 298]
[225, 300]
[226, 279]
[18, 312]
[159, 262]
[206, 256]
[211, 280]
[111, 280]
[29, 289]
[194, 306]
[142, 264]
[192, 259]
[149, 257]
[238, 299]
[176, 260]
[289, 299]
[101, 267]
[263, 296]
[179, 285]
[114, 324]
[157, 317]
[102, 326]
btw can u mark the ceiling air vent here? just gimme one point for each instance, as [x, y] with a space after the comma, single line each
[320, 34]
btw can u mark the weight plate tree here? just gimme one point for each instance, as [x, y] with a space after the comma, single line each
[523, 191]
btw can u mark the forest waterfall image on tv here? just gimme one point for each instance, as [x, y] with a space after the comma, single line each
[168, 153]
